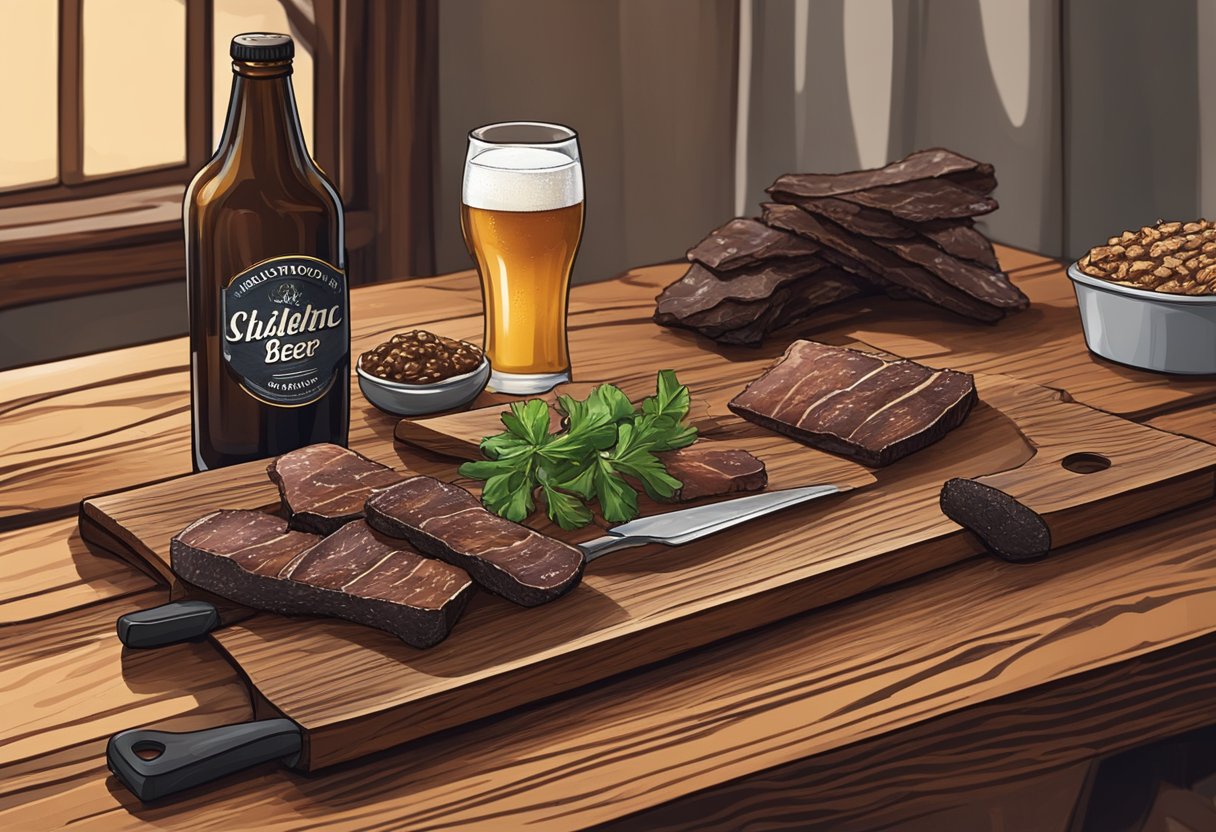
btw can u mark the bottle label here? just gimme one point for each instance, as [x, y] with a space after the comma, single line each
[285, 328]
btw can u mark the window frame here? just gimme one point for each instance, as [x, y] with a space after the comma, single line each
[71, 182]
[116, 231]
[375, 117]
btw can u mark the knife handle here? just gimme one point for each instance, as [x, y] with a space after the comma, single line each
[1008, 528]
[601, 546]
[155, 764]
[167, 624]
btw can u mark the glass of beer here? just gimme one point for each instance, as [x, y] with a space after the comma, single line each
[522, 215]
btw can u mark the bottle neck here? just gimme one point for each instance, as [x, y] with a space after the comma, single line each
[262, 118]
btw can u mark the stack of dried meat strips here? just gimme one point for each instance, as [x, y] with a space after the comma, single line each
[905, 230]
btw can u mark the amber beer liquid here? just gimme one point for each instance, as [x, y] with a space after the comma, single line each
[265, 273]
[522, 216]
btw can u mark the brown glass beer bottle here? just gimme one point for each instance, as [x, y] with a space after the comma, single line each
[265, 272]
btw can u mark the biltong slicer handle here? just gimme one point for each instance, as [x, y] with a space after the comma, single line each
[155, 764]
[168, 624]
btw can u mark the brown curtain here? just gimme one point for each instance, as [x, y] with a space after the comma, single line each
[389, 92]
[648, 85]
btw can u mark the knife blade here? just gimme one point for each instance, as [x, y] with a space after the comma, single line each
[678, 527]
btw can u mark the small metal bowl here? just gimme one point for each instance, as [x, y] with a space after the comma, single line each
[1149, 330]
[421, 399]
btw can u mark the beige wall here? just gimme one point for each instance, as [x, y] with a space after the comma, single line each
[1096, 117]
[1135, 147]
[839, 85]
[648, 85]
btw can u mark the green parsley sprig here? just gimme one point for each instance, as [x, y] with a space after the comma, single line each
[605, 445]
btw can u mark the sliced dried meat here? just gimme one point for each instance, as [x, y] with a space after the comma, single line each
[256, 542]
[957, 237]
[701, 289]
[707, 470]
[983, 284]
[982, 179]
[867, 408]
[324, 486]
[924, 200]
[869, 222]
[879, 261]
[354, 574]
[371, 579]
[980, 283]
[795, 303]
[745, 242]
[923, 164]
[449, 523]
[745, 317]
[960, 238]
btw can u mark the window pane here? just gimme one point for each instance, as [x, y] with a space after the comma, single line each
[29, 93]
[235, 17]
[134, 84]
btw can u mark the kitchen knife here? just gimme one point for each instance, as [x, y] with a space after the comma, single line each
[676, 528]
[184, 620]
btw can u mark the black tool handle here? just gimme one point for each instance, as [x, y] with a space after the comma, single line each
[1009, 528]
[168, 624]
[177, 761]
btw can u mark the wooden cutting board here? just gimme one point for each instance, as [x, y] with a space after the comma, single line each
[355, 690]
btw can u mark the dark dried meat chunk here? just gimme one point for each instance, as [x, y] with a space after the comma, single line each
[960, 238]
[879, 262]
[744, 242]
[706, 469]
[924, 200]
[982, 284]
[795, 303]
[254, 559]
[923, 164]
[701, 289]
[869, 222]
[867, 408]
[449, 523]
[1009, 529]
[323, 486]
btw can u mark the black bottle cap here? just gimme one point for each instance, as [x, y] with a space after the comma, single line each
[262, 46]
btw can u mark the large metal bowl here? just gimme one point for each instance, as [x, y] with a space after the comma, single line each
[1150, 330]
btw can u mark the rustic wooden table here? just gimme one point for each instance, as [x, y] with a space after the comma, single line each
[975, 696]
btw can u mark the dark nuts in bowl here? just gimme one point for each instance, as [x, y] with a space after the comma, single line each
[418, 372]
[421, 357]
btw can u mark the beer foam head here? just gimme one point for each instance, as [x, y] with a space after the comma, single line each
[517, 178]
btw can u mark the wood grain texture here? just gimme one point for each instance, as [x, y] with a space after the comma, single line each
[938, 652]
[46, 570]
[90, 223]
[137, 402]
[646, 605]
[1199, 422]
[962, 769]
[459, 434]
[71, 685]
[83, 246]
[138, 398]
[1136, 458]
[1044, 343]
[76, 272]
[389, 803]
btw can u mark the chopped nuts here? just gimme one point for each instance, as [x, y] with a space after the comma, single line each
[421, 357]
[1171, 257]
